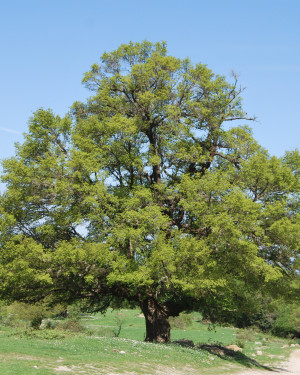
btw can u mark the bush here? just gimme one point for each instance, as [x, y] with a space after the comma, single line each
[101, 332]
[74, 311]
[182, 321]
[28, 317]
[3, 312]
[245, 334]
[31, 314]
[287, 322]
[44, 334]
[71, 324]
[58, 311]
[49, 323]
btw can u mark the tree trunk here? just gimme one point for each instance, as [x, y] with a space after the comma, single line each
[157, 325]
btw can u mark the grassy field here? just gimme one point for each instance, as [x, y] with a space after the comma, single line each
[97, 351]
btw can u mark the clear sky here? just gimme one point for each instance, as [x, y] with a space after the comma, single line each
[47, 45]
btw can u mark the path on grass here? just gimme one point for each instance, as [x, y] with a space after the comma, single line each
[291, 367]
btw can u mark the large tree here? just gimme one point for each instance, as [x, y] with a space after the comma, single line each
[147, 192]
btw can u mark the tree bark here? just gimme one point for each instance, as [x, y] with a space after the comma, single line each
[157, 324]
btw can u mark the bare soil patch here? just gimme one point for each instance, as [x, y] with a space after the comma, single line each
[291, 367]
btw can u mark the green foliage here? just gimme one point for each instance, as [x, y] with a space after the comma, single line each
[244, 335]
[71, 324]
[74, 311]
[49, 324]
[83, 352]
[3, 311]
[145, 194]
[182, 321]
[119, 323]
[287, 321]
[33, 314]
[43, 334]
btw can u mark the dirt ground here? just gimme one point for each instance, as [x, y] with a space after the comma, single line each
[291, 367]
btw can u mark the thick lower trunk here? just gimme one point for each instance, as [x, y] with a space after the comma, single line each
[157, 325]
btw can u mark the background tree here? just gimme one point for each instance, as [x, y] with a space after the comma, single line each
[146, 193]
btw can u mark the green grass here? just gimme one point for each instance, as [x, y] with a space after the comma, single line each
[56, 352]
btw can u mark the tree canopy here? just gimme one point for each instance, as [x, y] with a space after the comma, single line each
[147, 192]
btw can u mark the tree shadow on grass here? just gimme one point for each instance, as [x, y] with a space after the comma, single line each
[234, 356]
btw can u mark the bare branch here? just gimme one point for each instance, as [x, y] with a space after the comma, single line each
[241, 118]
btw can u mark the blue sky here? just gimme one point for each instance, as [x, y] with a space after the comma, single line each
[46, 46]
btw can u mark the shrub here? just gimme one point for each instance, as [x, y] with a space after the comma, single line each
[29, 313]
[58, 311]
[74, 311]
[49, 323]
[245, 334]
[119, 322]
[101, 332]
[182, 321]
[45, 334]
[71, 324]
[287, 322]
[3, 312]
